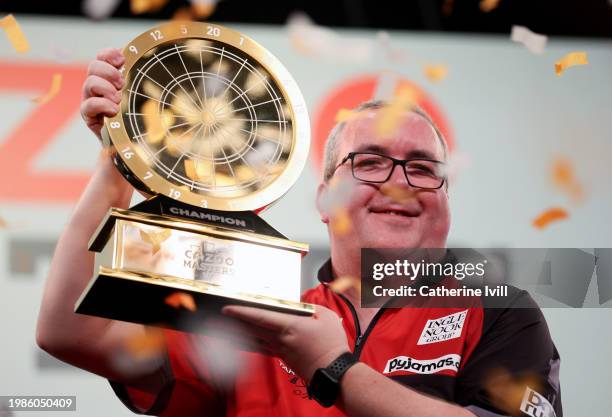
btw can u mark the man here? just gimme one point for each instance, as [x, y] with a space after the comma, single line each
[494, 361]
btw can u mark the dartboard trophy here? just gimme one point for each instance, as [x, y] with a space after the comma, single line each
[212, 128]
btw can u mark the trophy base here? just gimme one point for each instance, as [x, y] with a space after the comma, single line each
[125, 296]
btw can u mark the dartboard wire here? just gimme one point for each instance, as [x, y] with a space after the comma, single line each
[203, 77]
[263, 137]
[159, 101]
[258, 120]
[174, 79]
[244, 61]
[259, 104]
[229, 164]
[158, 84]
[181, 157]
[244, 92]
[157, 163]
[189, 77]
[245, 161]
[219, 66]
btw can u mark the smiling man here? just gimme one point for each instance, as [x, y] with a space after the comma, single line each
[356, 362]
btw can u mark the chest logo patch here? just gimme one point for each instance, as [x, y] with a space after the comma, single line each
[423, 366]
[443, 328]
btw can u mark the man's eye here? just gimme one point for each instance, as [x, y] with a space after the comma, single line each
[421, 170]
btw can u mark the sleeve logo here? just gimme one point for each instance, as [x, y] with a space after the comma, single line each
[443, 328]
[426, 366]
[536, 405]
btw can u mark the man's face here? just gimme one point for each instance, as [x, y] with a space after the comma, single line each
[377, 218]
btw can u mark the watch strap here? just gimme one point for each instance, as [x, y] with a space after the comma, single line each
[340, 365]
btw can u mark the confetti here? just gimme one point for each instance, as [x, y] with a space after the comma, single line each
[534, 42]
[344, 115]
[203, 9]
[99, 9]
[338, 194]
[14, 33]
[549, 216]
[447, 7]
[564, 178]
[3, 224]
[340, 222]
[56, 84]
[155, 238]
[570, 60]
[181, 299]
[391, 53]
[319, 42]
[146, 6]
[386, 85]
[435, 73]
[397, 193]
[488, 5]
[390, 116]
[146, 345]
[344, 283]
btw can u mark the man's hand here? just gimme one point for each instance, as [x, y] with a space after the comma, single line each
[101, 90]
[303, 343]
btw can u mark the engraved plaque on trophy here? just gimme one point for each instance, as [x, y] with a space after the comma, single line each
[213, 129]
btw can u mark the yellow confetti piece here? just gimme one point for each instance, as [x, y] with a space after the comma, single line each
[146, 6]
[390, 116]
[570, 60]
[56, 84]
[181, 299]
[344, 283]
[397, 193]
[202, 9]
[14, 33]
[488, 5]
[340, 222]
[155, 239]
[549, 216]
[344, 115]
[435, 73]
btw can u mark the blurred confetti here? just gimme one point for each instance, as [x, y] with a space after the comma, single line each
[447, 7]
[319, 42]
[564, 178]
[340, 222]
[146, 6]
[386, 85]
[390, 116]
[392, 54]
[203, 9]
[181, 299]
[457, 163]
[3, 224]
[344, 115]
[56, 84]
[338, 193]
[570, 60]
[142, 352]
[488, 5]
[549, 216]
[99, 9]
[506, 391]
[15, 35]
[534, 42]
[435, 73]
[155, 239]
[344, 283]
[397, 193]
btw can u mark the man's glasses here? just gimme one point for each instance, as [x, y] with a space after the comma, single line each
[377, 168]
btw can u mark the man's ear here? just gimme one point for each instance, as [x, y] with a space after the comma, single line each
[322, 191]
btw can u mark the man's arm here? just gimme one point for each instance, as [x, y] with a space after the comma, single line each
[85, 341]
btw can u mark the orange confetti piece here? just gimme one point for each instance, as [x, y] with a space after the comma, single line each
[563, 177]
[343, 283]
[344, 115]
[56, 84]
[396, 192]
[447, 7]
[181, 299]
[146, 345]
[14, 33]
[340, 222]
[146, 6]
[488, 5]
[549, 216]
[155, 238]
[435, 73]
[570, 60]
[202, 9]
[3, 224]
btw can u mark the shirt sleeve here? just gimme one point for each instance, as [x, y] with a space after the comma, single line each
[186, 391]
[514, 369]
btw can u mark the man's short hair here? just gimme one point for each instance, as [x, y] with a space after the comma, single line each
[330, 157]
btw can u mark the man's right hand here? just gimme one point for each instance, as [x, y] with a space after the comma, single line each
[102, 89]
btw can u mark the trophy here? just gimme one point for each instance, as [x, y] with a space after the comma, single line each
[212, 129]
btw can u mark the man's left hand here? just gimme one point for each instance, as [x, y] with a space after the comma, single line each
[303, 343]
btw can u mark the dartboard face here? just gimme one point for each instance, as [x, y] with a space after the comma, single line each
[209, 117]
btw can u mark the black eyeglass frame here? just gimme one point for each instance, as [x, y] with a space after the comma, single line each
[400, 162]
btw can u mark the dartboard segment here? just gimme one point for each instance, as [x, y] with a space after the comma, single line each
[210, 118]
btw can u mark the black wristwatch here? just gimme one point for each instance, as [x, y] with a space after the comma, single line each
[325, 384]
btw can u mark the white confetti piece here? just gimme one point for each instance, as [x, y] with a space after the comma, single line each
[534, 42]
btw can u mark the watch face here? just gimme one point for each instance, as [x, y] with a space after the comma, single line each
[209, 117]
[324, 388]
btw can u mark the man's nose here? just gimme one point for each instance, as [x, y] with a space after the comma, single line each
[398, 176]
